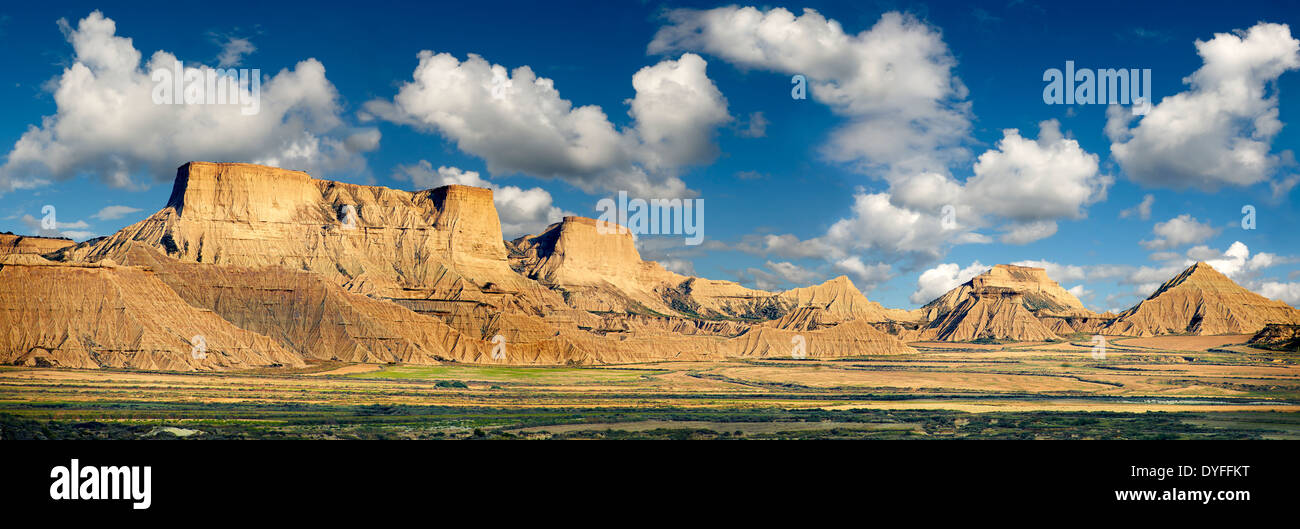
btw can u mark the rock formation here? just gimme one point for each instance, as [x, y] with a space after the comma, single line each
[1200, 300]
[19, 244]
[1007, 302]
[106, 315]
[988, 312]
[1278, 336]
[274, 267]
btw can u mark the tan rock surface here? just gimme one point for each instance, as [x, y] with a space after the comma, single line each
[840, 296]
[63, 315]
[24, 244]
[1039, 292]
[990, 313]
[1200, 300]
[441, 243]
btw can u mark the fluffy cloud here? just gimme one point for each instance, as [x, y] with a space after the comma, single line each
[755, 126]
[114, 212]
[1236, 261]
[522, 211]
[1025, 233]
[518, 123]
[792, 273]
[1024, 184]
[906, 119]
[1036, 180]
[1179, 231]
[1220, 130]
[865, 276]
[939, 280]
[680, 266]
[106, 123]
[1142, 210]
[1079, 291]
[1286, 292]
[1062, 273]
[906, 110]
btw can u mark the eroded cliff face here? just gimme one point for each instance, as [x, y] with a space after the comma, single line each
[991, 313]
[107, 315]
[1202, 301]
[274, 267]
[596, 269]
[441, 243]
[1038, 292]
[1007, 302]
[278, 268]
[18, 244]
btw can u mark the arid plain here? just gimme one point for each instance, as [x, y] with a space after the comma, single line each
[1179, 387]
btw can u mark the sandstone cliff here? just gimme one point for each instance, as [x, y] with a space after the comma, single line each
[1039, 292]
[989, 313]
[1200, 300]
[105, 315]
[1007, 302]
[441, 243]
[275, 267]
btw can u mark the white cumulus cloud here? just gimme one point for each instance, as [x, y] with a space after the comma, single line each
[1218, 132]
[517, 122]
[107, 125]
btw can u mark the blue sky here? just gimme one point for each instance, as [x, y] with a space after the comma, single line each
[909, 108]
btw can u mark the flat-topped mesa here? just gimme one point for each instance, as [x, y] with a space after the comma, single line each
[584, 251]
[469, 214]
[1039, 292]
[442, 243]
[1007, 302]
[240, 191]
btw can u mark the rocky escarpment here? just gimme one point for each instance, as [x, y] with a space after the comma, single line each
[1038, 292]
[1007, 302]
[442, 243]
[106, 315]
[277, 268]
[1200, 300]
[19, 244]
[988, 313]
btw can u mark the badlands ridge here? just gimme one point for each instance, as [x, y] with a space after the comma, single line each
[251, 266]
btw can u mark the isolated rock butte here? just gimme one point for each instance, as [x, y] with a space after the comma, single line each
[1200, 300]
[989, 312]
[1007, 302]
[1038, 291]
